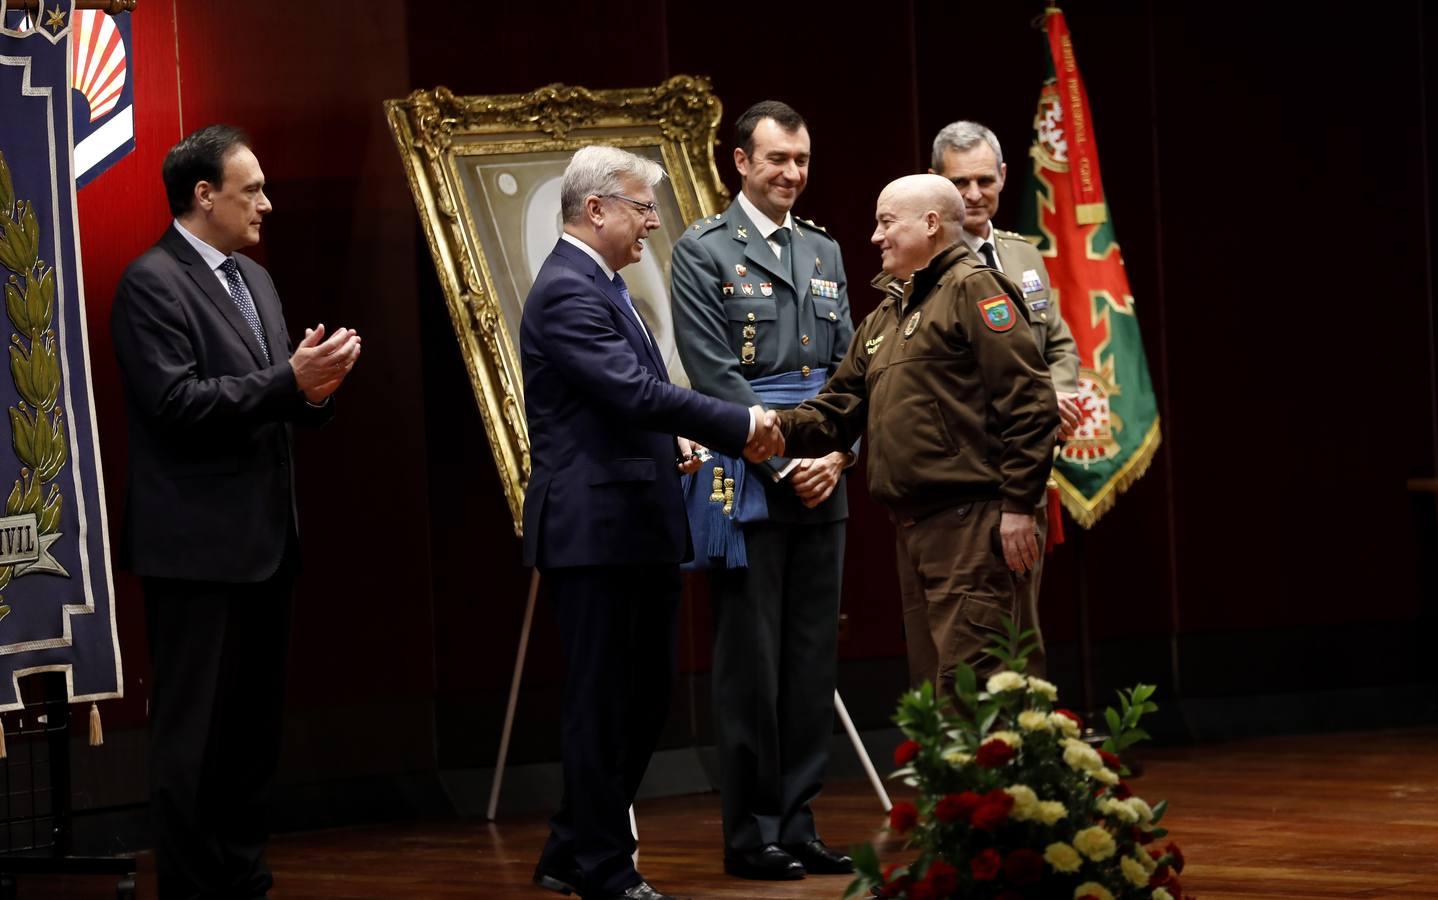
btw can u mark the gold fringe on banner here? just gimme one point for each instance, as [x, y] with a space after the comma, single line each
[1088, 510]
[97, 733]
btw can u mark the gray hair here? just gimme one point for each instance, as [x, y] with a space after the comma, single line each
[598, 170]
[961, 136]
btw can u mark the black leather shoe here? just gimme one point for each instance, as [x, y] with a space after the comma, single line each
[641, 891]
[767, 863]
[560, 879]
[820, 859]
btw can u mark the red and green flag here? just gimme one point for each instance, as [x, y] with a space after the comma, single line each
[1069, 219]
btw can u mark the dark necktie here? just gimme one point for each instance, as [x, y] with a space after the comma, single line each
[783, 238]
[246, 304]
[988, 251]
[628, 302]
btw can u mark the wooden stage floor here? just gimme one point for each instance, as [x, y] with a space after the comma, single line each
[1343, 815]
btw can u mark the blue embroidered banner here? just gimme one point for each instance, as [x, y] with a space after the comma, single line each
[56, 592]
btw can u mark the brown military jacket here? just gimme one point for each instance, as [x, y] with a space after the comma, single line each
[947, 378]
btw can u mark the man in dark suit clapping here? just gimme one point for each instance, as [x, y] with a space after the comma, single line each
[211, 388]
[603, 515]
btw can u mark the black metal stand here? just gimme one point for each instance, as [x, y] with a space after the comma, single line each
[36, 818]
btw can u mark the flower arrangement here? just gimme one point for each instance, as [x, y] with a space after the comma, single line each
[1012, 804]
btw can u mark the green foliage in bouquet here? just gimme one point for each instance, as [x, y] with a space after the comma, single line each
[1012, 805]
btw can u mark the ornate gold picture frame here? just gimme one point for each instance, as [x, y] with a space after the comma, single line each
[485, 174]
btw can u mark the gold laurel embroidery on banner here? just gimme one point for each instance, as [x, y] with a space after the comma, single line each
[37, 431]
[437, 131]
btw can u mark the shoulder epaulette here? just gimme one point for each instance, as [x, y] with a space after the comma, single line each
[1015, 236]
[810, 225]
[706, 224]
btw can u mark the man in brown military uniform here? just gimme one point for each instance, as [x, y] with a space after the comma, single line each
[969, 155]
[961, 417]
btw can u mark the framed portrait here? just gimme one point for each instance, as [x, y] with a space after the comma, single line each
[485, 173]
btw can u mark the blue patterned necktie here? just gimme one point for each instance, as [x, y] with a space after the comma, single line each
[624, 292]
[246, 304]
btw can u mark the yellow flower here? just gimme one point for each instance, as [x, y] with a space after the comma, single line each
[1006, 681]
[1134, 871]
[1095, 843]
[1066, 726]
[1092, 889]
[1062, 857]
[1043, 688]
[1081, 757]
[1161, 894]
[1118, 808]
[1107, 776]
[1141, 809]
[1012, 738]
[957, 758]
[1149, 862]
[1051, 811]
[1033, 720]
[1026, 802]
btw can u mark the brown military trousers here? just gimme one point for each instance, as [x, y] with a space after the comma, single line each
[956, 591]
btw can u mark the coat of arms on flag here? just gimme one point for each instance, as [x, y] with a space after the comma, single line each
[1069, 219]
[56, 593]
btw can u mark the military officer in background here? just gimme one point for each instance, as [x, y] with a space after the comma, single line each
[969, 155]
[761, 315]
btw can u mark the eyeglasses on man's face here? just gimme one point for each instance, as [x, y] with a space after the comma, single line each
[649, 209]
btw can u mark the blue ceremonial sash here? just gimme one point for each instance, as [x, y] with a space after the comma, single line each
[717, 535]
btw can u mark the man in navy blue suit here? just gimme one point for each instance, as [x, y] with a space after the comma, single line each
[603, 514]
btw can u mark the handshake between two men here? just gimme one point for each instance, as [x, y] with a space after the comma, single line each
[766, 441]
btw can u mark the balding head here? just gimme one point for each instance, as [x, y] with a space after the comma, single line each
[917, 218]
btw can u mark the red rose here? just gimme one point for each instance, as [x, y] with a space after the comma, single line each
[994, 753]
[942, 877]
[1110, 760]
[1023, 866]
[1143, 837]
[922, 890]
[903, 816]
[1121, 791]
[992, 810]
[1070, 714]
[1172, 849]
[893, 887]
[905, 753]
[986, 864]
[956, 807]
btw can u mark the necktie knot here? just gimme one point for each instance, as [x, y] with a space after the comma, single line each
[781, 236]
[623, 288]
[230, 267]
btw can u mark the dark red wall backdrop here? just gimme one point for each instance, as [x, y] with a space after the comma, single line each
[1270, 185]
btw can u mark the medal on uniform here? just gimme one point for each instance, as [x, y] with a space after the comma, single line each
[741, 270]
[749, 332]
[746, 353]
[766, 289]
[747, 288]
[818, 266]
[913, 323]
[1031, 282]
[728, 288]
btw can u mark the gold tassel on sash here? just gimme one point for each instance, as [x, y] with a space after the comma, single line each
[97, 733]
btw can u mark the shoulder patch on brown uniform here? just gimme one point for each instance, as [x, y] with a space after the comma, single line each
[998, 312]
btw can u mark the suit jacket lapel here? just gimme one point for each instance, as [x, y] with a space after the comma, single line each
[581, 261]
[209, 285]
[804, 260]
[756, 250]
[267, 304]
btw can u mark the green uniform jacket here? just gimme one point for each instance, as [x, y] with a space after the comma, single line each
[950, 384]
[740, 314]
[1024, 266]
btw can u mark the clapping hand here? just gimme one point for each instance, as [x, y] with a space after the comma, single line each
[320, 364]
[768, 440]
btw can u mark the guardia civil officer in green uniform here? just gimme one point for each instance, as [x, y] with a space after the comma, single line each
[948, 381]
[969, 155]
[761, 315]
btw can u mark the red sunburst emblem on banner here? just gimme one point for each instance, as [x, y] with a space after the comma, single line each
[98, 60]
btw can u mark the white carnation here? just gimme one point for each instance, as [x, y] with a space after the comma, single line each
[1006, 681]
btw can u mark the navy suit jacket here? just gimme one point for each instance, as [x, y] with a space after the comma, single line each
[603, 487]
[210, 482]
